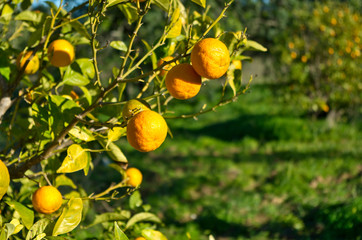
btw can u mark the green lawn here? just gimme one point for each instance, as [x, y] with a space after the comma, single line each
[256, 168]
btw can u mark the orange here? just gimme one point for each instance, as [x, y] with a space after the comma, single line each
[182, 82]
[210, 58]
[167, 67]
[140, 238]
[146, 131]
[134, 177]
[134, 106]
[61, 53]
[47, 199]
[33, 64]
[4, 179]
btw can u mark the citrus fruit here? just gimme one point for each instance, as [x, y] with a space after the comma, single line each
[182, 82]
[134, 106]
[167, 67]
[146, 131]
[134, 177]
[210, 58]
[4, 179]
[47, 199]
[61, 53]
[140, 238]
[33, 64]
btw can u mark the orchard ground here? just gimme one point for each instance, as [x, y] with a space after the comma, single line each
[257, 168]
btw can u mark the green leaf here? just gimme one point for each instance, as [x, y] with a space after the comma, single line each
[26, 215]
[63, 180]
[129, 11]
[135, 200]
[82, 134]
[37, 228]
[142, 217]
[30, 16]
[87, 94]
[76, 159]
[118, 234]
[5, 65]
[114, 152]
[151, 234]
[252, 45]
[86, 66]
[175, 25]
[70, 217]
[74, 78]
[119, 45]
[114, 2]
[202, 3]
[115, 133]
[110, 217]
[163, 4]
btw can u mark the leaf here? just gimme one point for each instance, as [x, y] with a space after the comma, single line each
[73, 78]
[76, 159]
[255, 46]
[114, 152]
[10, 229]
[110, 217]
[30, 16]
[202, 3]
[26, 215]
[63, 180]
[70, 217]
[151, 234]
[17, 226]
[119, 45]
[86, 66]
[38, 228]
[115, 133]
[142, 217]
[163, 4]
[80, 28]
[87, 94]
[118, 234]
[129, 11]
[82, 134]
[114, 2]
[175, 25]
[135, 200]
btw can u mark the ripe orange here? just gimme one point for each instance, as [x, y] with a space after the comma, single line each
[33, 64]
[61, 53]
[4, 179]
[210, 58]
[140, 238]
[134, 106]
[182, 82]
[167, 67]
[47, 199]
[134, 177]
[146, 131]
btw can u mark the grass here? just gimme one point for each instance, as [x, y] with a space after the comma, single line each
[258, 169]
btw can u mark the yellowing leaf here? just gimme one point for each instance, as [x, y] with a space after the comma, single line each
[175, 25]
[82, 134]
[151, 234]
[70, 217]
[76, 159]
[142, 217]
[115, 133]
[202, 3]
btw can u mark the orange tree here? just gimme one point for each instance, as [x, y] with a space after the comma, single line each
[319, 54]
[59, 110]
